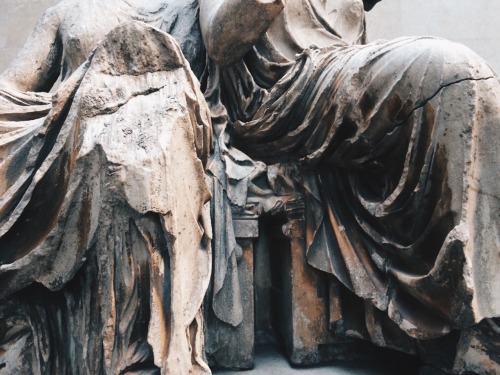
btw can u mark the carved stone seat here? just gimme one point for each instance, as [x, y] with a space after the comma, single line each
[287, 300]
[228, 346]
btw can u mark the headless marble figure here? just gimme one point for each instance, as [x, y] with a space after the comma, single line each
[399, 179]
[105, 252]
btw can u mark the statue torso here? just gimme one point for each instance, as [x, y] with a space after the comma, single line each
[304, 23]
[85, 23]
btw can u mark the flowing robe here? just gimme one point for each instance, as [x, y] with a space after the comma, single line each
[396, 143]
[105, 251]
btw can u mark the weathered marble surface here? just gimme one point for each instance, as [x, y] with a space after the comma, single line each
[105, 226]
[380, 159]
[398, 178]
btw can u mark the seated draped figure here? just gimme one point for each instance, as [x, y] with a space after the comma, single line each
[105, 218]
[396, 145]
[105, 233]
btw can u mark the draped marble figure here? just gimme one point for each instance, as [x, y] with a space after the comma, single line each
[104, 230]
[105, 220]
[396, 144]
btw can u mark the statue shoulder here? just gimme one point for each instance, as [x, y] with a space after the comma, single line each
[55, 14]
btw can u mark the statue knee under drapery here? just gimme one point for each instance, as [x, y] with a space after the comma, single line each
[105, 250]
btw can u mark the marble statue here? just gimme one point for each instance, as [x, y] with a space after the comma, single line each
[172, 117]
[396, 143]
[105, 230]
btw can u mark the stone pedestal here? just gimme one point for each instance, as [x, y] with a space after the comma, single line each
[308, 301]
[233, 347]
